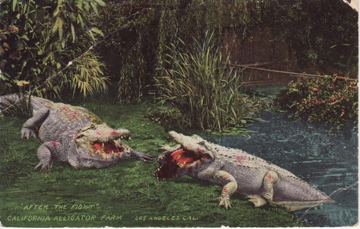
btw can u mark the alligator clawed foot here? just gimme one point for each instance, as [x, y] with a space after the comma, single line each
[44, 168]
[257, 200]
[225, 202]
[165, 148]
[28, 133]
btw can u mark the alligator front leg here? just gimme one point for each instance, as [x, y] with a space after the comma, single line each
[46, 154]
[270, 180]
[221, 177]
[29, 128]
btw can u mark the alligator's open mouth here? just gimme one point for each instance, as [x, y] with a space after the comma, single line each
[110, 149]
[172, 161]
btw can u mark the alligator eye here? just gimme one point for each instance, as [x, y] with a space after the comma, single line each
[80, 136]
[93, 127]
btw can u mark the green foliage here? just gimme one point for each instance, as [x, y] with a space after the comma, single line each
[87, 76]
[142, 30]
[201, 86]
[323, 32]
[39, 38]
[329, 99]
[169, 117]
[130, 49]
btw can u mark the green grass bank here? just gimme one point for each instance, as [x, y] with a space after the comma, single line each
[123, 195]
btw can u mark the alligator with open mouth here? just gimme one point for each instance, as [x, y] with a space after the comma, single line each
[236, 170]
[72, 134]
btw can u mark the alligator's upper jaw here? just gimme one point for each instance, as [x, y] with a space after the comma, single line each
[109, 149]
[120, 134]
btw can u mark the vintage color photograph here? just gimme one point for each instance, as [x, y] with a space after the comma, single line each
[178, 113]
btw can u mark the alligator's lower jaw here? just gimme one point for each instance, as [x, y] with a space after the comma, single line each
[301, 205]
[173, 161]
[166, 171]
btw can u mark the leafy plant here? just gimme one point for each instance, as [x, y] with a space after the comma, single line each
[328, 99]
[42, 37]
[202, 87]
[87, 76]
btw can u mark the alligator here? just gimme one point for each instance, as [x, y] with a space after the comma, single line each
[236, 170]
[71, 134]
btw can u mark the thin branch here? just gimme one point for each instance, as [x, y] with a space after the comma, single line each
[250, 66]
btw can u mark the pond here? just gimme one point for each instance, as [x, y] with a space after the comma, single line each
[322, 155]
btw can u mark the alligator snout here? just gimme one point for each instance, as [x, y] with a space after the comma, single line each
[119, 134]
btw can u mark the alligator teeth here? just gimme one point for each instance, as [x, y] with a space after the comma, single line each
[103, 155]
[126, 137]
[117, 144]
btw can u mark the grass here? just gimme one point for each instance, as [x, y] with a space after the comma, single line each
[199, 83]
[123, 195]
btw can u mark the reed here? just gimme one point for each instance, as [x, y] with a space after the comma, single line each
[199, 83]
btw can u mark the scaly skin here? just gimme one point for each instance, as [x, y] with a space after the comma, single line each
[72, 134]
[236, 170]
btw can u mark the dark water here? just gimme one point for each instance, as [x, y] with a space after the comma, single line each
[322, 155]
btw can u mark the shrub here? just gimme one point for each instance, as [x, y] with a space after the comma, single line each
[38, 39]
[166, 116]
[329, 99]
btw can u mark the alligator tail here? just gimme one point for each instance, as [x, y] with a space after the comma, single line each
[296, 194]
[14, 104]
